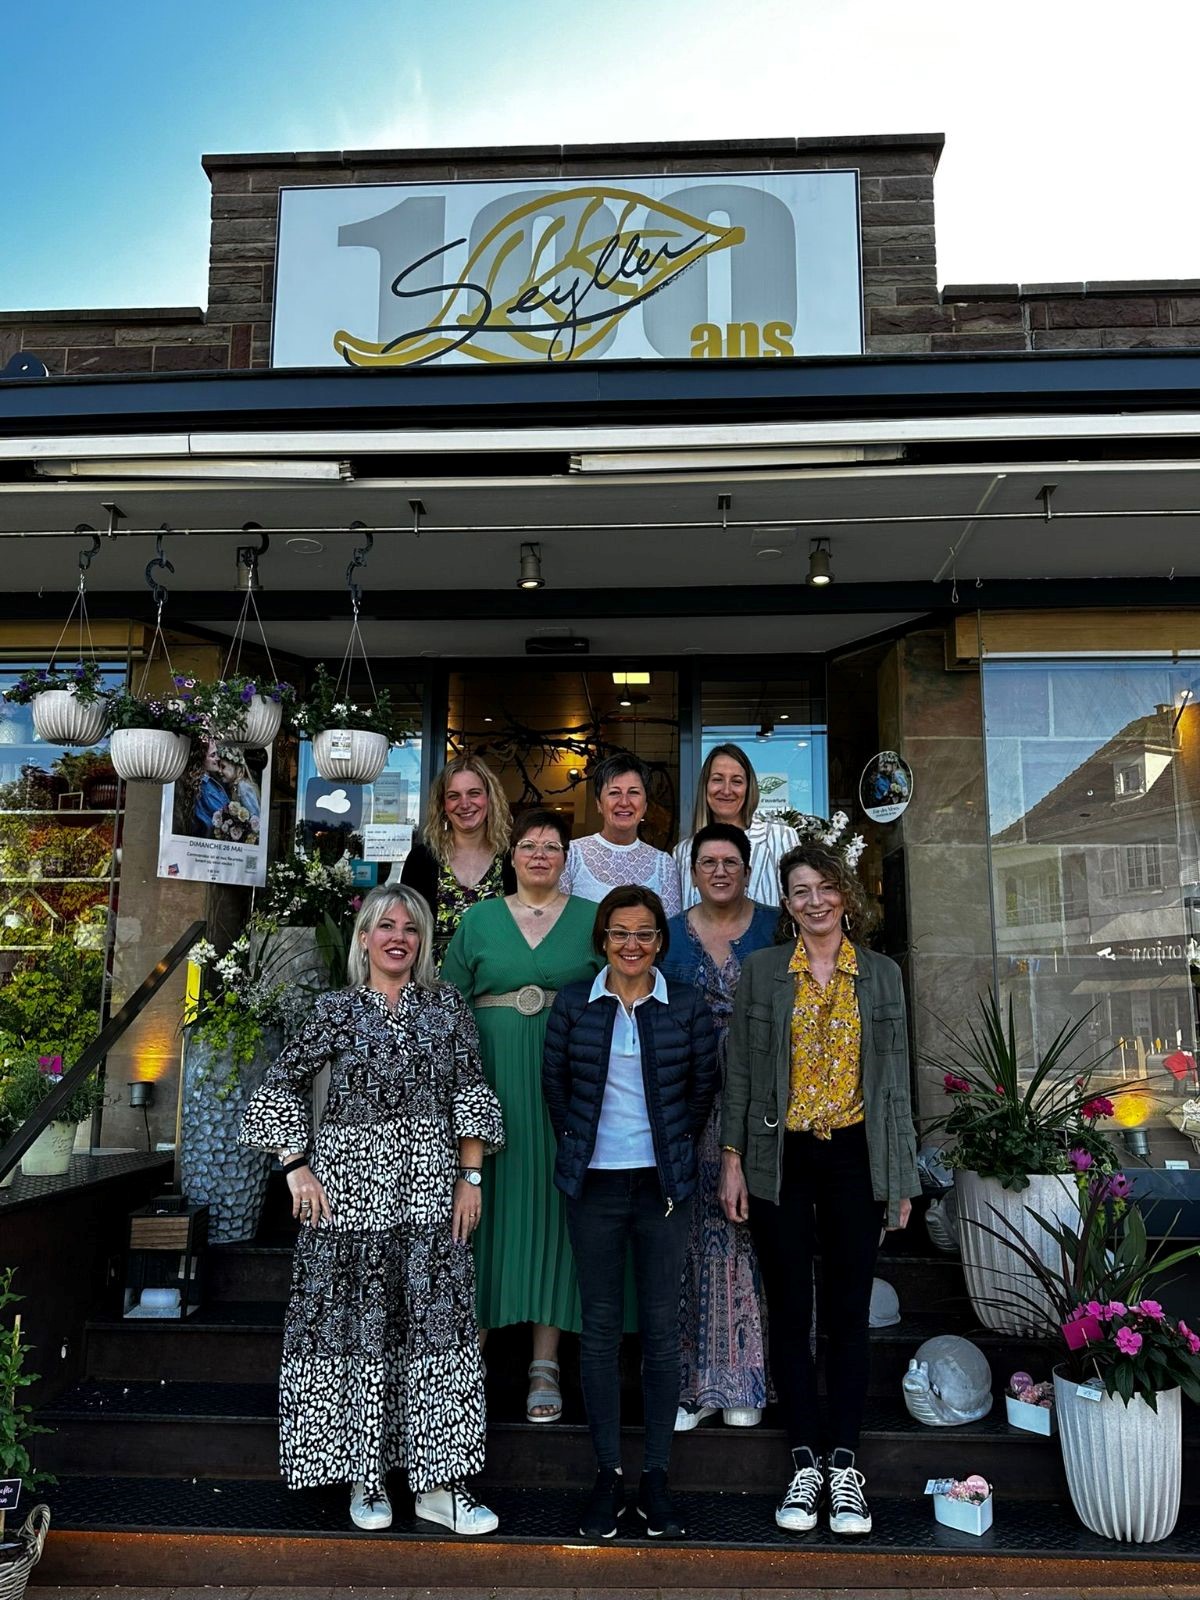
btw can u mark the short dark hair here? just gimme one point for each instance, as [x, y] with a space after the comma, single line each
[615, 766]
[630, 894]
[721, 833]
[541, 817]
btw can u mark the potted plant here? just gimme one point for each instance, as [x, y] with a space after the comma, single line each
[1126, 1362]
[21, 1549]
[152, 735]
[245, 710]
[1018, 1135]
[69, 702]
[91, 774]
[28, 1079]
[350, 741]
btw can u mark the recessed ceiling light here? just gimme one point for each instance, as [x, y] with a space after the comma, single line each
[624, 679]
[302, 545]
[784, 716]
[487, 719]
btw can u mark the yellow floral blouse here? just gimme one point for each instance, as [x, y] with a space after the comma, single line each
[826, 1083]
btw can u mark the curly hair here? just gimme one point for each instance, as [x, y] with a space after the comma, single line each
[861, 912]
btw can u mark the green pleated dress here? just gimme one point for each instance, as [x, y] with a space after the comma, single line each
[524, 1270]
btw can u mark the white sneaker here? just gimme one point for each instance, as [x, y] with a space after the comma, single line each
[456, 1508]
[687, 1418]
[848, 1509]
[370, 1509]
[797, 1511]
[741, 1416]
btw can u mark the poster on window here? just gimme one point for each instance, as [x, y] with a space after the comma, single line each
[886, 786]
[213, 822]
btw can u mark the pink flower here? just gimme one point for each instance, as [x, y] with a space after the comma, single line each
[1128, 1342]
[1111, 1309]
[999, 1088]
[1151, 1309]
[1097, 1106]
[52, 1065]
[1193, 1339]
[1080, 1160]
[356, 902]
[1093, 1309]
[955, 1085]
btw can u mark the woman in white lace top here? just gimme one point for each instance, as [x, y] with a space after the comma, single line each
[728, 792]
[616, 856]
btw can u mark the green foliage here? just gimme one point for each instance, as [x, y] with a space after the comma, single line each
[85, 679]
[326, 705]
[52, 1001]
[26, 1079]
[16, 1415]
[1004, 1129]
[222, 705]
[173, 714]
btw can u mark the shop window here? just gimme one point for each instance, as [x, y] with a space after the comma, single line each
[780, 724]
[1094, 815]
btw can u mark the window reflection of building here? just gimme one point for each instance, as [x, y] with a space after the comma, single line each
[1093, 780]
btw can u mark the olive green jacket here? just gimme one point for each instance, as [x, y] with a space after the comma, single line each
[758, 1074]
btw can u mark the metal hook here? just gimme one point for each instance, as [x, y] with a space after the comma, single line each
[85, 556]
[248, 554]
[358, 559]
[159, 560]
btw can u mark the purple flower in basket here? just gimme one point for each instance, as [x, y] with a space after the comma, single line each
[248, 692]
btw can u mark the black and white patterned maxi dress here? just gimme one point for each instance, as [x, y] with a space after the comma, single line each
[381, 1363]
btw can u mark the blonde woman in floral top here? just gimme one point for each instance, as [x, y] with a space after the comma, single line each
[818, 1153]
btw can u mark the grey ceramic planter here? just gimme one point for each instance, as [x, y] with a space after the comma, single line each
[1123, 1462]
[214, 1169]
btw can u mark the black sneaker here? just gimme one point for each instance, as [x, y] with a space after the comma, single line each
[848, 1509]
[655, 1507]
[797, 1511]
[605, 1507]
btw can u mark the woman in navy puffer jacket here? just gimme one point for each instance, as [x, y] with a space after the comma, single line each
[629, 1074]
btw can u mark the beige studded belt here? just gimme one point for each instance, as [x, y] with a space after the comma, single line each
[528, 1001]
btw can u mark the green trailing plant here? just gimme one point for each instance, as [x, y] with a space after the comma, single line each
[17, 1426]
[327, 705]
[172, 713]
[84, 679]
[222, 705]
[1006, 1128]
[1095, 1279]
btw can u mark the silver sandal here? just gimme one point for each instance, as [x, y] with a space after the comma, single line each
[544, 1391]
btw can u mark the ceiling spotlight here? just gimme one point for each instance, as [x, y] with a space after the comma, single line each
[784, 716]
[765, 729]
[531, 567]
[819, 573]
[625, 702]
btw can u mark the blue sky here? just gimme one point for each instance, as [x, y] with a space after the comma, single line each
[1070, 140]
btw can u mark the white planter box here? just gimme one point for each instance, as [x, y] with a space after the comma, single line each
[961, 1514]
[1033, 1419]
[60, 718]
[149, 755]
[350, 755]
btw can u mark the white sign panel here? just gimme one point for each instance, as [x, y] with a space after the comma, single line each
[568, 269]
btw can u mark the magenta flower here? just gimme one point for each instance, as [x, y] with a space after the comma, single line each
[1097, 1106]
[51, 1065]
[999, 1088]
[956, 1085]
[1114, 1308]
[1093, 1309]
[1128, 1342]
[1151, 1309]
[1193, 1339]
[1080, 1160]
[1119, 1187]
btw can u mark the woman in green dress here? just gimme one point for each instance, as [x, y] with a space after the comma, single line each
[508, 959]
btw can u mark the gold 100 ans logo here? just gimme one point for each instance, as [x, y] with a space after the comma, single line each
[554, 278]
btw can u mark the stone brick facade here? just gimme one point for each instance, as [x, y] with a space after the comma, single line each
[906, 312]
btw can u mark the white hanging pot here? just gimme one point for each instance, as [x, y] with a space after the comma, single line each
[999, 1283]
[60, 718]
[263, 720]
[49, 1156]
[350, 755]
[149, 755]
[1123, 1462]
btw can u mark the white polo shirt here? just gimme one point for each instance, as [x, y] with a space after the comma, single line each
[623, 1138]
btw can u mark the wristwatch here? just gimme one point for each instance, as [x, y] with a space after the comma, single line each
[471, 1175]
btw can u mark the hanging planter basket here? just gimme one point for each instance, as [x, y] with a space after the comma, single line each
[350, 755]
[59, 717]
[264, 717]
[149, 755]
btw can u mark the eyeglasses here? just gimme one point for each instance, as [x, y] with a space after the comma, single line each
[643, 936]
[710, 864]
[528, 848]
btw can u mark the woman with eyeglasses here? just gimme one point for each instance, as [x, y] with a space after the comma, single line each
[508, 959]
[721, 1335]
[629, 1074]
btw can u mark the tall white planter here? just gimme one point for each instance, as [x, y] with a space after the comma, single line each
[999, 1283]
[350, 754]
[60, 718]
[1123, 1462]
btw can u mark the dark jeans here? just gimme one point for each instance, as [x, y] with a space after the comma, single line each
[616, 1210]
[826, 1204]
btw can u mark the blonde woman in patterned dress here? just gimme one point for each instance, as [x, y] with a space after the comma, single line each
[381, 1364]
[818, 1152]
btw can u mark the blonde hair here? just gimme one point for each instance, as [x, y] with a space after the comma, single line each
[371, 913]
[701, 815]
[438, 833]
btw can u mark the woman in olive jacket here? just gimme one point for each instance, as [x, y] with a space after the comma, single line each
[819, 1155]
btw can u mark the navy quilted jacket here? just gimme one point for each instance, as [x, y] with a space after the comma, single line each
[679, 1071]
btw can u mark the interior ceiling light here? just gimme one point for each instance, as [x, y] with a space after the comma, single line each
[530, 576]
[819, 571]
[765, 729]
[626, 679]
[207, 469]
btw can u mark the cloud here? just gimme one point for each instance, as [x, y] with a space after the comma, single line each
[336, 801]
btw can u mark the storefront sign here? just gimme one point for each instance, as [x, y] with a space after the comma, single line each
[886, 786]
[569, 269]
[213, 820]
